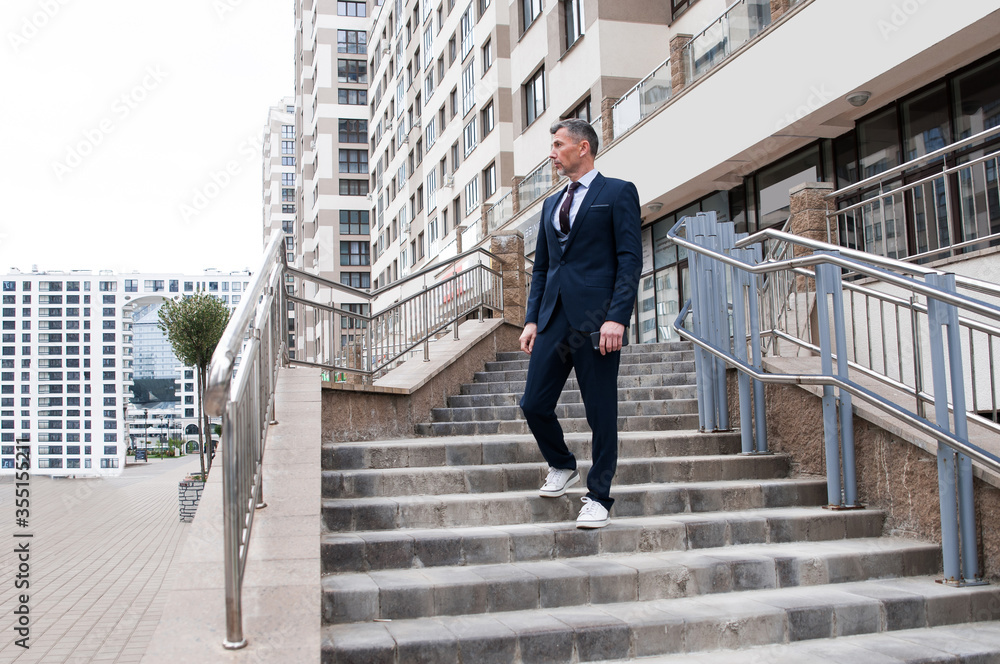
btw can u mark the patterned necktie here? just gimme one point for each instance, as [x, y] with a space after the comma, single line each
[564, 208]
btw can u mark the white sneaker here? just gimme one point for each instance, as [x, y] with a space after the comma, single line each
[557, 480]
[593, 515]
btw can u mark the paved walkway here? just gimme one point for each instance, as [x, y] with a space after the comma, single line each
[101, 553]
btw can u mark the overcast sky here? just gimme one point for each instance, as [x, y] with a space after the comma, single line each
[120, 119]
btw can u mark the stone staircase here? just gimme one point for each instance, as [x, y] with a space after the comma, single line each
[438, 548]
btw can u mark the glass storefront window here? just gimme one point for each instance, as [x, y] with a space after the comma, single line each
[926, 126]
[879, 143]
[976, 95]
[775, 181]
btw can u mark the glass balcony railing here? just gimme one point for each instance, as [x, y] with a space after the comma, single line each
[500, 212]
[535, 184]
[740, 23]
[648, 95]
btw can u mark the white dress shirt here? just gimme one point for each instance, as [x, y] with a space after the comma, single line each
[585, 181]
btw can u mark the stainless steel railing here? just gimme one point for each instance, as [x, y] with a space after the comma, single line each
[814, 305]
[244, 367]
[412, 312]
[942, 204]
[241, 386]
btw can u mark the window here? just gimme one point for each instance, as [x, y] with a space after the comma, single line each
[470, 136]
[354, 253]
[288, 208]
[469, 87]
[351, 9]
[288, 179]
[487, 51]
[131, 285]
[288, 194]
[354, 161]
[489, 181]
[353, 131]
[573, 10]
[288, 131]
[530, 10]
[288, 147]
[352, 71]
[430, 133]
[352, 97]
[354, 187]
[488, 119]
[356, 279]
[431, 190]
[582, 110]
[104, 286]
[352, 41]
[471, 195]
[428, 40]
[174, 285]
[354, 222]
[534, 96]
[678, 7]
[429, 84]
[288, 161]
[467, 38]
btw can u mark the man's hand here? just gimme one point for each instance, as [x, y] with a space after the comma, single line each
[611, 337]
[528, 337]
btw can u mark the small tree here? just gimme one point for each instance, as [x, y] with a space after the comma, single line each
[194, 326]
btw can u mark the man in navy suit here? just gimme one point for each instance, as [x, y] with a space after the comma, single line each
[587, 262]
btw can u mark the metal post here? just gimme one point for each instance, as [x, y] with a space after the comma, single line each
[427, 324]
[832, 448]
[937, 317]
[455, 300]
[966, 504]
[845, 408]
[760, 419]
[231, 536]
[698, 326]
[740, 349]
[704, 314]
[723, 242]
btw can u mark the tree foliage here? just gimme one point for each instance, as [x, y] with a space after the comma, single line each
[194, 326]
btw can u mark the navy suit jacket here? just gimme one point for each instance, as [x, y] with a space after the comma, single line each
[596, 275]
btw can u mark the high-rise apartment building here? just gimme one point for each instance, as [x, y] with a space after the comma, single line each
[68, 363]
[706, 105]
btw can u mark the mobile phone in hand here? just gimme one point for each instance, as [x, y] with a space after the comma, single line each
[595, 339]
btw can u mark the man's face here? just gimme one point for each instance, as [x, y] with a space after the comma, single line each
[567, 154]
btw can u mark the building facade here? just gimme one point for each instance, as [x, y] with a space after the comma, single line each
[706, 105]
[68, 364]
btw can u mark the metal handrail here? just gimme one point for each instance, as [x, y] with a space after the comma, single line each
[376, 340]
[255, 339]
[729, 290]
[902, 168]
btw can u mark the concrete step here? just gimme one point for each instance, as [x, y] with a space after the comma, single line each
[974, 643]
[512, 449]
[520, 507]
[400, 549]
[443, 591]
[517, 386]
[569, 425]
[640, 369]
[493, 399]
[631, 349]
[500, 478]
[521, 363]
[658, 627]
[565, 411]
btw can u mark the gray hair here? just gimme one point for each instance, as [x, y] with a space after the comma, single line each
[580, 130]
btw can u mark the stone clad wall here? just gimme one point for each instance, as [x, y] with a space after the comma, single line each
[893, 474]
[188, 495]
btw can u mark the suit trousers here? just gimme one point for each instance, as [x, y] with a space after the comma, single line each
[559, 348]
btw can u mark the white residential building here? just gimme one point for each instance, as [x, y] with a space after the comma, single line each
[68, 363]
